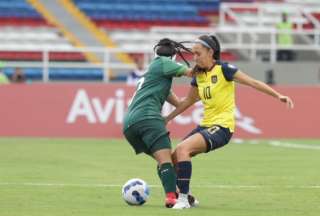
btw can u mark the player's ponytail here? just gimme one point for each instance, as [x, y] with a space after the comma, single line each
[216, 49]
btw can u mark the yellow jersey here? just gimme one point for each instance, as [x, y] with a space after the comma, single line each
[216, 89]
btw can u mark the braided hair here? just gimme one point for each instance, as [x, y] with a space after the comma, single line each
[170, 48]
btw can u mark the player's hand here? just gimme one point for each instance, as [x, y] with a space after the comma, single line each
[287, 100]
[189, 73]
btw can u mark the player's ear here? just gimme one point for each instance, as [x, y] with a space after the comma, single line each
[211, 52]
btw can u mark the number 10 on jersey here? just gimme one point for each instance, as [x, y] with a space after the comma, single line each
[207, 93]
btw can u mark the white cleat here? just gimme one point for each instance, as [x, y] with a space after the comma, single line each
[195, 203]
[181, 205]
[182, 202]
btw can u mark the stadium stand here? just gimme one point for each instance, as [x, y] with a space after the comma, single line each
[245, 27]
[19, 12]
[25, 37]
[138, 18]
[25, 33]
[59, 74]
[147, 13]
[22, 27]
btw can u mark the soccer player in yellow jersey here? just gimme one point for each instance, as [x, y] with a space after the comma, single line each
[213, 84]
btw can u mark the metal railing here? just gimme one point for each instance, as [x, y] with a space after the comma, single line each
[242, 40]
[249, 39]
[106, 65]
[266, 14]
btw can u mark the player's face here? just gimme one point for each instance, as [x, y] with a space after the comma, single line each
[202, 55]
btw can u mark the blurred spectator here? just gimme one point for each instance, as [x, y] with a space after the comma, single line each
[285, 38]
[137, 73]
[3, 78]
[18, 76]
[270, 77]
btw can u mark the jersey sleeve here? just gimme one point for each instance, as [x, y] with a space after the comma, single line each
[228, 71]
[172, 68]
[194, 82]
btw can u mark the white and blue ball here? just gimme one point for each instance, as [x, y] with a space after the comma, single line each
[135, 192]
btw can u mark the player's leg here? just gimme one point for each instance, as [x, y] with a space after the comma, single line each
[204, 141]
[193, 145]
[156, 138]
[194, 131]
[167, 175]
[192, 200]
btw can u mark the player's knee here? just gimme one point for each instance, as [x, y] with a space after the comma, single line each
[182, 152]
[174, 157]
[163, 156]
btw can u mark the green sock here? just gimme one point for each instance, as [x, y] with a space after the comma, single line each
[159, 174]
[168, 177]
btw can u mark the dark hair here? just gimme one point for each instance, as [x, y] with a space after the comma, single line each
[165, 47]
[169, 48]
[211, 42]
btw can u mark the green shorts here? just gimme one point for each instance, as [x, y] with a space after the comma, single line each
[148, 136]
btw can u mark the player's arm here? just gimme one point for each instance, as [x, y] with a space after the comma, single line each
[184, 71]
[175, 69]
[188, 72]
[243, 78]
[191, 98]
[173, 99]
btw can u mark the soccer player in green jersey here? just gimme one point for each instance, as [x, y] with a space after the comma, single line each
[143, 125]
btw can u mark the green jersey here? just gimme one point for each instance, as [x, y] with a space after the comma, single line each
[284, 36]
[152, 90]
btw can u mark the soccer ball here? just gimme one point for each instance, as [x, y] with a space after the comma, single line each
[135, 192]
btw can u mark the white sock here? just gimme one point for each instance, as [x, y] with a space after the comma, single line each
[183, 196]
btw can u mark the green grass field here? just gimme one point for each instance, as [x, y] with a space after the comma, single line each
[42, 177]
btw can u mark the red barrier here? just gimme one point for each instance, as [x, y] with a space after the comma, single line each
[96, 110]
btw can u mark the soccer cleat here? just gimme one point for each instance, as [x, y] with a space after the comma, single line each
[196, 203]
[170, 202]
[182, 202]
[192, 201]
[171, 199]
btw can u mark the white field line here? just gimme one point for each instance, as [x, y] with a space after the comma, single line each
[283, 144]
[34, 184]
[293, 145]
